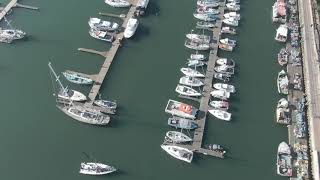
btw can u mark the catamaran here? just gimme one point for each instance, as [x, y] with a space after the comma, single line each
[182, 123]
[191, 72]
[284, 160]
[131, 28]
[220, 114]
[101, 35]
[221, 94]
[187, 91]
[226, 87]
[76, 78]
[226, 62]
[176, 108]
[96, 23]
[228, 42]
[190, 81]
[228, 30]
[283, 82]
[92, 168]
[178, 137]
[118, 3]
[224, 105]
[178, 152]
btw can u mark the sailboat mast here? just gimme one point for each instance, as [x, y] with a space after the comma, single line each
[56, 76]
[8, 23]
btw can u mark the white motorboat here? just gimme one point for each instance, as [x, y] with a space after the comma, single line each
[203, 24]
[205, 17]
[191, 72]
[225, 47]
[283, 82]
[232, 15]
[187, 91]
[226, 87]
[178, 152]
[96, 23]
[106, 104]
[220, 105]
[118, 3]
[190, 81]
[131, 27]
[224, 69]
[222, 76]
[279, 11]
[228, 42]
[101, 35]
[195, 63]
[76, 78]
[220, 114]
[221, 94]
[226, 62]
[196, 45]
[71, 95]
[233, 7]
[91, 168]
[233, 1]
[228, 30]
[231, 22]
[199, 57]
[207, 10]
[284, 160]
[178, 137]
[208, 3]
[282, 33]
[200, 38]
[180, 109]
[283, 103]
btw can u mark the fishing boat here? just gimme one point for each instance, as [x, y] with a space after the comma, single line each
[223, 77]
[196, 45]
[224, 105]
[282, 33]
[208, 3]
[96, 23]
[181, 123]
[92, 168]
[199, 57]
[178, 137]
[283, 57]
[178, 152]
[190, 81]
[233, 7]
[131, 27]
[279, 11]
[204, 24]
[283, 82]
[187, 91]
[225, 47]
[228, 30]
[207, 10]
[220, 114]
[226, 87]
[228, 42]
[221, 94]
[195, 63]
[118, 3]
[106, 104]
[76, 78]
[205, 17]
[200, 38]
[224, 69]
[176, 108]
[233, 15]
[217, 148]
[226, 62]
[65, 93]
[191, 72]
[284, 160]
[101, 35]
[231, 22]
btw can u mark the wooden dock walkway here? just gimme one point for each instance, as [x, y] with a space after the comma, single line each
[14, 3]
[101, 53]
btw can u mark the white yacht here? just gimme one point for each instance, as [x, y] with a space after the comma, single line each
[178, 152]
[71, 95]
[282, 33]
[96, 23]
[187, 91]
[207, 10]
[118, 3]
[232, 15]
[226, 87]
[228, 42]
[195, 63]
[220, 114]
[226, 62]
[224, 69]
[196, 45]
[225, 47]
[101, 35]
[198, 38]
[178, 137]
[131, 28]
[199, 57]
[191, 72]
[220, 104]
[233, 7]
[283, 82]
[190, 81]
[205, 17]
[231, 22]
[228, 30]
[91, 168]
[221, 94]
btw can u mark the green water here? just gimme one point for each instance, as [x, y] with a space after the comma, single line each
[40, 142]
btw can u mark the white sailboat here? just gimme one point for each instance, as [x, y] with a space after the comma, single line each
[92, 168]
[187, 91]
[226, 87]
[178, 152]
[231, 22]
[190, 81]
[220, 114]
[11, 34]
[219, 105]
[221, 94]
[178, 137]
[191, 72]
[118, 3]
[229, 42]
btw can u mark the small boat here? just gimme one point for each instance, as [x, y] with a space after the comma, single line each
[284, 160]
[195, 63]
[226, 87]
[182, 123]
[228, 42]
[131, 27]
[176, 108]
[196, 45]
[191, 72]
[190, 81]
[76, 78]
[96, 23]
[101, 35]
[118, 3]
[226, 62]
[232, 15]
[283, 57]
[200, 38]
[187, 91]
[283, 115]
[283, 82]
[216, 147]
[224, 69]
[178, 152]
[225, 47]
[205, 17]
[91, 168]
[228, 30]
[208, 3]
[231, 22]
[233, 7]
[9, 35]
[71, 95]
[220, 105]
[199, 57]
[283, 103]
[282, 33]
[178, 137]
[221, 94]
[207, 10]
[223, 77]
[203, 24]
[105, 104]
[220, 114]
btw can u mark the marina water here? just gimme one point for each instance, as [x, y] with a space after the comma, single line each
[41, 142]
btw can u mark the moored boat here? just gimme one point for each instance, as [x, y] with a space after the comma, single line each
[204, 24]
[118, 3]
[225, 47]
[233, 6]
[226, 62]
[9, 35]
[228, 42]
[205, 17]
[178, 137]
[220, 114]
[283, 57]
[92, 168]
[200, 38]
[226, 87]
[224, 69]
[282, 33]
[76, 78]
[208, 3]
[182, 123]
[96, 23]
[190, 81]
[196, 45]
[228, 30]
[220, 104]
[231, 22]
[222, 76]
[283, 82]
[199, 57]
[284, 160]
[195, 63]
[176, 108]
[232, 15]
[191, 72]
[178, 152]
[106, 104]
[131, 27]
[221, 94]
[187, 91]
[101, 35]
[207, 10]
